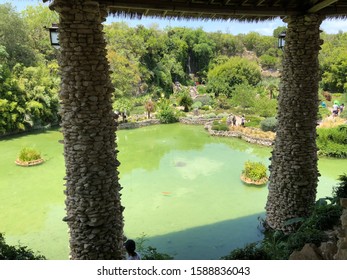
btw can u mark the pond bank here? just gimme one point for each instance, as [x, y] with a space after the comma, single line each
[207, 123]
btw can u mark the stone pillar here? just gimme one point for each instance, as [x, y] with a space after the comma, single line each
[294, 173]
[94, 211]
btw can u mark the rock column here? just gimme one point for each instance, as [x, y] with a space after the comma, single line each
[294, 173]
[94, 211]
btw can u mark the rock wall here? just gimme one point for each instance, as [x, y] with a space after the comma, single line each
[342, 234]
[293, 169]
[94, 212]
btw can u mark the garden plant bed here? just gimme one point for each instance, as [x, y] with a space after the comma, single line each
[29, 163]
[249, 181]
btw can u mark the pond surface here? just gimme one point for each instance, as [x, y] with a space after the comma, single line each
[181, 189]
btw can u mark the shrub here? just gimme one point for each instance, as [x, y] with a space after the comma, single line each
[332, 141]
[29, 154]
[8, 252]
[250, 252]
[254, 170]
[220, 126]
[253, 121]
[269, 124]
[149, 252]
[340, 191]
[196, 105]
[167, 115]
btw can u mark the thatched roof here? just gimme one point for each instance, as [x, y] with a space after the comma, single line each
[246, 10]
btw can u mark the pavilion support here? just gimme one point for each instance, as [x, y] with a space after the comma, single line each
[294, 172]
[94, 211]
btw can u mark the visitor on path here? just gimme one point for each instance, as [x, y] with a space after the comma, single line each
[243, 120]
[335, 110]
[234, 121]
[229, 120]
[342, 106]
[130, 247]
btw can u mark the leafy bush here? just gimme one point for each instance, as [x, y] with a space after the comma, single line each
[253, 121]
[269, 124]
[254, 170]
[166, 113]
[185, 100]
[220, 126]
[8, 252]
[340, 191]
[298, 239]
[28, 154]
[250, 252]
[196, 105]
[149, 252]
[332, 141]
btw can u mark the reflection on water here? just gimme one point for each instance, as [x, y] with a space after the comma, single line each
[181, 188]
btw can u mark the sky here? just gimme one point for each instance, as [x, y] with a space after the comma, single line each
[231, 27]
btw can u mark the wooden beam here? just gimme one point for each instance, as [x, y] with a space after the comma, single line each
[321, 6]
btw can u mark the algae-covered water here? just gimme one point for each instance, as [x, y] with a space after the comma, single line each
[181, 189]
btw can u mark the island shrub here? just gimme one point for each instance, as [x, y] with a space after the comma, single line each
[28, 154]
[254, 171]
[269, 124]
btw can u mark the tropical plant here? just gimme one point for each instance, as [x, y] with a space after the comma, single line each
[166, 113]
[27, 154]
[255, 171]
[150, 107]
[185, 100]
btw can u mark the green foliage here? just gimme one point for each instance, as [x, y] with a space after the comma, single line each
[149, 252]
[340, 191]
[251, 251]
[8, 252]
[269, 61]
[266, 107]
[254, 170]
[243, 95]
[269, 124]
[253, 121]
[197, 105]
[223, 78]
[28, 154]
[220, 125]
[123, 105]
[185, 100]
[332, 141]
[166, 113]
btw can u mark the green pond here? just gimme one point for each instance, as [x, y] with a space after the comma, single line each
[181, 189]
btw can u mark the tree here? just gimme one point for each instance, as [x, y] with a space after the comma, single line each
[36, 18]
[223, 78]
[150, 107]
[14, 37]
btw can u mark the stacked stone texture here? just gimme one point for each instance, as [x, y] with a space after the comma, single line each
[294, 173]
[94, 211]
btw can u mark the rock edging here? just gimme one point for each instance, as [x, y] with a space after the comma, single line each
[238, 134]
